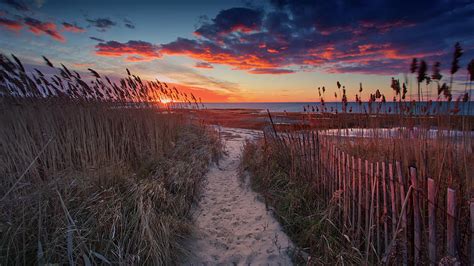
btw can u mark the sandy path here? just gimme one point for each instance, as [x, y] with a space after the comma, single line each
[232, 224]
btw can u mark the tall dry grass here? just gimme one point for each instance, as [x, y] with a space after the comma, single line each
[96, 174]
[435, 137]
[311, 225]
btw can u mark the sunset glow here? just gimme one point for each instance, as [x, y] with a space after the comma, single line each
[143, 132]
[166, 101]
[237, 51]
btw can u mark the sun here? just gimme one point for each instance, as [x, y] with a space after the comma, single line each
[165, 100]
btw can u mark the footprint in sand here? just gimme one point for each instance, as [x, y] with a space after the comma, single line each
[234, 234]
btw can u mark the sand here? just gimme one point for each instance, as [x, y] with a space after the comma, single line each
[232, 225]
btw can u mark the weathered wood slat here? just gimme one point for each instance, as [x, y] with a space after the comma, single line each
[431, 221]
[451, 243]
[366, 205]
[359, 205]
[403, 215]
[371, 213]
[348, 189]
[471, 209]
[344, 188]
[416, 217]
[385, 209]
[353, 208]
[377, 207]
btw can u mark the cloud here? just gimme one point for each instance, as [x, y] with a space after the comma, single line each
[232, 20]
[334, 36]
[136, 58]
[96, 39]
[39, 28]
[72, 27]
[208, 51]
[129, 24]
[271, 71]
[203, 65]
[12, 25]
[18, 5]
[101, 24]
[135, 50]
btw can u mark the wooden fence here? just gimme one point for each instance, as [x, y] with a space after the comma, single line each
[391, 214]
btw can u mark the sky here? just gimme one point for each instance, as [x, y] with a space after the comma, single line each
[245, 51]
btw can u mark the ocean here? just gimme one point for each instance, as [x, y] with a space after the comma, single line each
[388, 107]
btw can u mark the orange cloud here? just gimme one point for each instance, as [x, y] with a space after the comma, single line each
[11, 24]
[134, 58]
[72, 28]
[215, 54]
[274, 71]
[38, 28]
[136, 50]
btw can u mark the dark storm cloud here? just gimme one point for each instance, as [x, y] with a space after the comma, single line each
[327, 15]
[101, 24]
[336, 36]
[231, 20]
[16, 4]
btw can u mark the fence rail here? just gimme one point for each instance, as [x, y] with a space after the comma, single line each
[391, 212]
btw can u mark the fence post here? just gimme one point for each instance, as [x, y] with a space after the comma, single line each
[329, 173]
[359, 205]
[385, 209]
[335, 169]
[302, 156]
[341, 169]
[371, 215]
[377, 206]
[338, 183]
[471, 208]
[348, 188]
[367, 192]
[416, 217]
[344, 190]
[431, 221]
[325, 167]
[403, 214]
[451, 224]
[333, 175]
[312, 149]
[353, 194]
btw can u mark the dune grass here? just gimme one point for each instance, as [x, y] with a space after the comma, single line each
[310, 224]
[98, 175]
[283, 168]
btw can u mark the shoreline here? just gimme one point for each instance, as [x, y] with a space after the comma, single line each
[258, 119]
